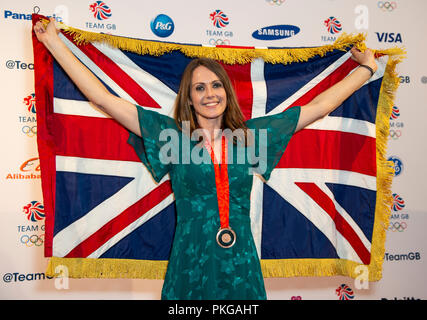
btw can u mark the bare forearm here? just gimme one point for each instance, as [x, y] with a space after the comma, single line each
[330, 99]
[88, 84]
[334, 96]
[119, 109]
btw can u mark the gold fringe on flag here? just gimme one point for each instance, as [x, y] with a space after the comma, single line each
[106, 268]
[227, 55]
[148, 269]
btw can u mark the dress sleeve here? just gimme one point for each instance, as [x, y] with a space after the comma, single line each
[272, 134]
[148, 147]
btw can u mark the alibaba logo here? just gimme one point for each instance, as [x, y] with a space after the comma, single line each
[32, 164]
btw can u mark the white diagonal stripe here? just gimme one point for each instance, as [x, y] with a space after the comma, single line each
[160, 92]
[283, 182]
[96, 70]
[78, 231]
[346, 216]
[348, 124]
[381, 62]
[133, 226]
[310, 85]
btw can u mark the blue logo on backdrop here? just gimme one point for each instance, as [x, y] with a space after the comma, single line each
[275, 32]
[17, 16]
[25, 16]
[398, 165]
[162, 26]
[389, 37]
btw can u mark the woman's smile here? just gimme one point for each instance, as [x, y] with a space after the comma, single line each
[211, 104]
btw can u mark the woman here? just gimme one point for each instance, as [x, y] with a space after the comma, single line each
[213, 254]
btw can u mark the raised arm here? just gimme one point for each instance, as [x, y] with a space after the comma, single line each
[330, 99]
[121, 110]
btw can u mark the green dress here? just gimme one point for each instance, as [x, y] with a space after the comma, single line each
[198, 267]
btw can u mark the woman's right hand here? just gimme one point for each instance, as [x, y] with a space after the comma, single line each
[46, 34]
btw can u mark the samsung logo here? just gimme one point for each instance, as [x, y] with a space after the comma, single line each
[276, 32]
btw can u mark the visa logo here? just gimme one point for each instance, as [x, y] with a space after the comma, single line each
[389, 37]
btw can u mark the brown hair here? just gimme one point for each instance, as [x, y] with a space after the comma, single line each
[233, 117]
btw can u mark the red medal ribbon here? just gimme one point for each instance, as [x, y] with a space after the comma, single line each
[221, 181]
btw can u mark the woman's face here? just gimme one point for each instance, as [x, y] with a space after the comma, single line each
[207, 95]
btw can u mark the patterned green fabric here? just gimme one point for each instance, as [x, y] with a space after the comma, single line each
[198, 267]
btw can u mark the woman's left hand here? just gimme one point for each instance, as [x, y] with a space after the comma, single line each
[367, 57]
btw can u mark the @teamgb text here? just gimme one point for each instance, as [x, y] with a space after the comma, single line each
[176, 150]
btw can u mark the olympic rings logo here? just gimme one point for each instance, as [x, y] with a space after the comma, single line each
[219, 42]
[33, 240]
[397, 226]
[387, 6]
[395, 134]
[30, 131]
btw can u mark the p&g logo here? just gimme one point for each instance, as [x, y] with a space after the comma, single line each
[162, 26]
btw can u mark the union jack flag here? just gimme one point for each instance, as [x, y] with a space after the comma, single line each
[101, 202]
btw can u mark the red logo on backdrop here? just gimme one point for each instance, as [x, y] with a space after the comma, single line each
[333, 25]
[100, 10]
[219, 18]
[30, 102]
[34, 211]
[31, 165]
[344, 292]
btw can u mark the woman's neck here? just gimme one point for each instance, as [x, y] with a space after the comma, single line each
[212, 126]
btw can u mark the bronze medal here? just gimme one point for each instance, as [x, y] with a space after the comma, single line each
[226, 237]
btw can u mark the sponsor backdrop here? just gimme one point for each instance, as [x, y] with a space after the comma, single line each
[260, 23]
